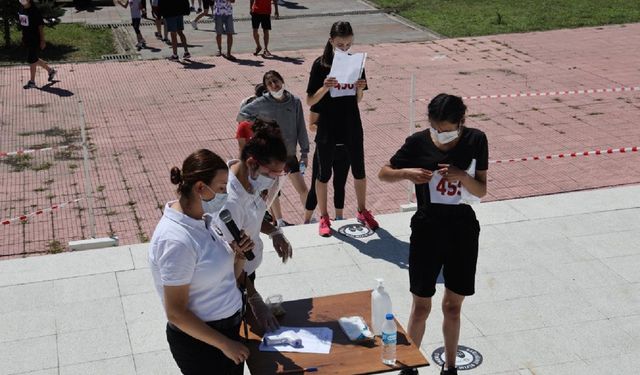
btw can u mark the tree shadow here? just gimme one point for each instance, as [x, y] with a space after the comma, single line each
[56, 90]
[85, 6]
[195, 65]
[385, 247]
[287, 59]
[291, 5]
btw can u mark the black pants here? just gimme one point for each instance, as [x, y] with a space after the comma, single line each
[195, 357]
[326, 153]
[340, 167]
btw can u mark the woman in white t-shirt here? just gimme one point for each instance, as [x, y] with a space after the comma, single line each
[195, 271]
[252, 185]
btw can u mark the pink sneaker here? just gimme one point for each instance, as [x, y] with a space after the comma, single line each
[366, 218]
[325, 226]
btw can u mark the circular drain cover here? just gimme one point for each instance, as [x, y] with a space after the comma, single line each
[355, 231]
[467, 358]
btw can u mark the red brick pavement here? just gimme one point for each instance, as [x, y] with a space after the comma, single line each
[145, 117]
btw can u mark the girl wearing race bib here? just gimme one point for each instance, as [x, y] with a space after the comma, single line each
[339, 124]
[448, 164]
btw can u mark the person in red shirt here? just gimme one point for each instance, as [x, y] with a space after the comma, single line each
[261, 15]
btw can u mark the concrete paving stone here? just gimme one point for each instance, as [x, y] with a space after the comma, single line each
[505, 316]
[135, 282]
[156, 363]
[26, 297]
[498, 213]
[624, 364]
[143, 307]
[93, 345]
[25, 324]
[313, 259]
[64, 265]
[598, 339]
[621, 300]
[585, 274]
[85, 288]
[630, 325]
[140, 255]
[567, 368]
[609, 245]
[626, 266]
[344, 279]
[148, 335]
[565, 308]
[394, 250]
[34, 354]
[50, 371]
[120, 366]
[284, 285]
[81, 316]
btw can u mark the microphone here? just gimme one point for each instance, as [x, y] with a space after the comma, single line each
[226, 218]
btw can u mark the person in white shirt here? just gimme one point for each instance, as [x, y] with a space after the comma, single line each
[252, 185]
[195, 271]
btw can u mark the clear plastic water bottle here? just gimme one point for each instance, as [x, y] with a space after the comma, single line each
[303, 167]
[389, 340]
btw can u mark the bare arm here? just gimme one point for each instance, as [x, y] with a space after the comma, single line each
[416, 175]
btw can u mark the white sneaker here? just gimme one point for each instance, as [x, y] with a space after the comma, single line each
[194, 24]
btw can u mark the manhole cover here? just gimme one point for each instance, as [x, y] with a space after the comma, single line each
[355, 231]
[467, 358]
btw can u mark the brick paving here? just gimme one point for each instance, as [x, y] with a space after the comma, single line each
[146, 116]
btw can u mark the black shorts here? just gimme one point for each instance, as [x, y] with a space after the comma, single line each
[258, 19]
[194, 357]
[33, 54]
[206, 4]
[293, 164]
[443, 237]
[326, 153]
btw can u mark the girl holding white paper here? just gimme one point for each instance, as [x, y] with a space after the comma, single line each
[448, 164]
[339, 124]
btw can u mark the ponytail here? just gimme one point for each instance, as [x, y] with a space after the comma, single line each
[338, 29]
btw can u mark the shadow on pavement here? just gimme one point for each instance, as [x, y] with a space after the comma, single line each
[386, 247]
[291, 5]
[190, 64]
[287, 59]
[56, 90]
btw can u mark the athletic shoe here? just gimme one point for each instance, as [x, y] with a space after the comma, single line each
[281, 224]
[325, 226]
[138, 46]
[30, 85]
[174, 58]
[199, 10]
[451, 371]
[366, 218]
[192, 9]
[194, 24]
[52, 74]
[409, 371]
[158, 35]
[186, 55]
[338, 218]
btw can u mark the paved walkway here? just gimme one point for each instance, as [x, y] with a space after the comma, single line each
[558, 292]
[145, 116]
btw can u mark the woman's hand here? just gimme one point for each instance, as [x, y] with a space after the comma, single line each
[245, 245]
[451, 173]
[418, 176]
[361, 84]
[235, 351]
[282, 246]
[330, 82]
[263, 314]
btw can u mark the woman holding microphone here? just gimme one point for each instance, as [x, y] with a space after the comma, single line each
[195, 271]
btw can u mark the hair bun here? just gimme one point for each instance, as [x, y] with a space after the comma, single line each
[176, 176]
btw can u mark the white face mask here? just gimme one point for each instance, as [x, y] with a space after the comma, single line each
[338, 50]
[24, 2]
[445, 137]
[261, 183]
[277, 94]
[213, 206]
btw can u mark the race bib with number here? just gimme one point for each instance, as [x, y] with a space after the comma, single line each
[452, 192]
[24, 20]
[343, 89]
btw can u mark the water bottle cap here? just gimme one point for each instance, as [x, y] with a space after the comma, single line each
[389, 316]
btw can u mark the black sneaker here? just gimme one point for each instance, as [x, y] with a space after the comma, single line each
[30, 85]
[409, 371]
[451, 371]
[52, 74]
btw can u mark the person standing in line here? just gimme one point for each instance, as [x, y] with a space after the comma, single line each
[136, 16]
[32, 26]
[223, 16]
[195, 271]
[173, 12]
[261, 15]
[448, 164]
[160, 25]
[339, 123]
[282, 107]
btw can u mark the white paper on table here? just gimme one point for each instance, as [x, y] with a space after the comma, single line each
[314, 340]
[347, 69]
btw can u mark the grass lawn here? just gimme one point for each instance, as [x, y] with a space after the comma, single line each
[65, 42]
[459, 18]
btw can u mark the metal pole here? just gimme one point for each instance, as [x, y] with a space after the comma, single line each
[412, 125]
[87, 176]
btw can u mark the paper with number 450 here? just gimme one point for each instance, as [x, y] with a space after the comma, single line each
[347, 69]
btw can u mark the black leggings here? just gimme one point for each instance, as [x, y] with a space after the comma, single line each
[135, 22]
[340, 167]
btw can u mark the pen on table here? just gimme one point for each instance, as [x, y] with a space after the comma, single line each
[298, 370]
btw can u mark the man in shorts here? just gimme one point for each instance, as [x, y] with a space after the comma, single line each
[173, 12]
[32, 26]
[261, 15]
[223, 15]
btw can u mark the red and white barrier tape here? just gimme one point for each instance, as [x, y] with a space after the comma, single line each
[569, 155]
[549, 93]
[26, 217]
[31, 151]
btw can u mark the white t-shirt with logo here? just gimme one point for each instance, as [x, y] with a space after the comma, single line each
[186, 251]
